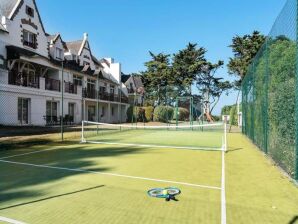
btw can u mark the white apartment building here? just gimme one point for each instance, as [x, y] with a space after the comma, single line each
[38, 70]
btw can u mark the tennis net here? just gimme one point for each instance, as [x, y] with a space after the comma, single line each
[200, 137]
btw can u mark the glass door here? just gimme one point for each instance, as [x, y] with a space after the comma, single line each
[71, 111]
[23, 111]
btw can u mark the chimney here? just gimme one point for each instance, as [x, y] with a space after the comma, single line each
[85, 36]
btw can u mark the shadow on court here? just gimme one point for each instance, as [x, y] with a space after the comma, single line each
[294, 220]
[51, 197]
[19, 182]
[10, 145]
[233, 149]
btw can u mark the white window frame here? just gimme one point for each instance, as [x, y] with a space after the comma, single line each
[59, 53]
[30, 38]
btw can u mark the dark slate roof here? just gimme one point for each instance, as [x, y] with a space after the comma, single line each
[74, 45]
[96, 61]
[138, 81]
[52, 37]
[105, 76]
[105, 61]
[6, 7]
[124, 77]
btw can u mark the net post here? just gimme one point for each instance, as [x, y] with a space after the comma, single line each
[177, 110]
[225, 148]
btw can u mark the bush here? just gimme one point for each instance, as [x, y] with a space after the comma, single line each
[163, 113]
[140, 114]
[149, 113]
[140, 111]
[216, 118]
[183, 114]
[130, 114]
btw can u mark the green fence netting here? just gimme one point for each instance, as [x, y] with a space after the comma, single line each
[270, 93]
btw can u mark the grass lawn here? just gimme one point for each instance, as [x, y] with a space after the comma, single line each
[256, 191]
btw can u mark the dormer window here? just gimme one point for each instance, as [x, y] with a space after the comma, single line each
[29, 39]
[29, 11]
[59, 53]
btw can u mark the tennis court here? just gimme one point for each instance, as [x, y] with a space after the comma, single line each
[99, 183]
[109, 183]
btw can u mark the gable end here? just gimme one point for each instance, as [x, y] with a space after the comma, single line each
[17, 9]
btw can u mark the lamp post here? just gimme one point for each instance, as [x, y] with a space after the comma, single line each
[62, 101]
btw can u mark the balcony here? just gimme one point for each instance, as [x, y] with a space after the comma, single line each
[89, 93]
[52, 84]
[124, 99]
[24, 80]
[70, 88]
[104, 96]
[30, 44]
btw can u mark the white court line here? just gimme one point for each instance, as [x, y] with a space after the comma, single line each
[27, 153]
[155, 146]
[113, 174]
[223, 191]
[4, 219]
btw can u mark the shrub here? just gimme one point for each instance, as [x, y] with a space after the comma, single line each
[163, 113]
[149, 113]
[140, 111]
[183, 114]
[130, 114]
[140, 114]
[216, 118]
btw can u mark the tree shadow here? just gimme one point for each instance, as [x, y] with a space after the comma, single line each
[52, 197]
[16, 179]
[294, 220]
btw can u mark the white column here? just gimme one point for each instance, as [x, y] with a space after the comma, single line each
[109, 112]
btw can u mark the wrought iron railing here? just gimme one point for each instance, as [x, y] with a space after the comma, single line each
[21, 79]
[70, 88]
[52, 84]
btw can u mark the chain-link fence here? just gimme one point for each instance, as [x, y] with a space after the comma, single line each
[270, 93]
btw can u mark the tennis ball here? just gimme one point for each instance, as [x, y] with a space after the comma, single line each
[165, 192]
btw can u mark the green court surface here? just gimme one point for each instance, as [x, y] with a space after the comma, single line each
[96, 183]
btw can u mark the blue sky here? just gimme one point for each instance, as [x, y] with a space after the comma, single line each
[127, 29]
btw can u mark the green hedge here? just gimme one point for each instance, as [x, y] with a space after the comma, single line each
[232, 111]
[149, 113]
[130, 114]
[140, 114]
[163, 113]
[183, 114]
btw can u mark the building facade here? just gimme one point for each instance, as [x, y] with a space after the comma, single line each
[45, 79]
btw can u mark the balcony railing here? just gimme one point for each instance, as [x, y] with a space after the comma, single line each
[71, 88]
[91, 94]
[21, 79]
[104, 96]
[52, 84]
[30, 44]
